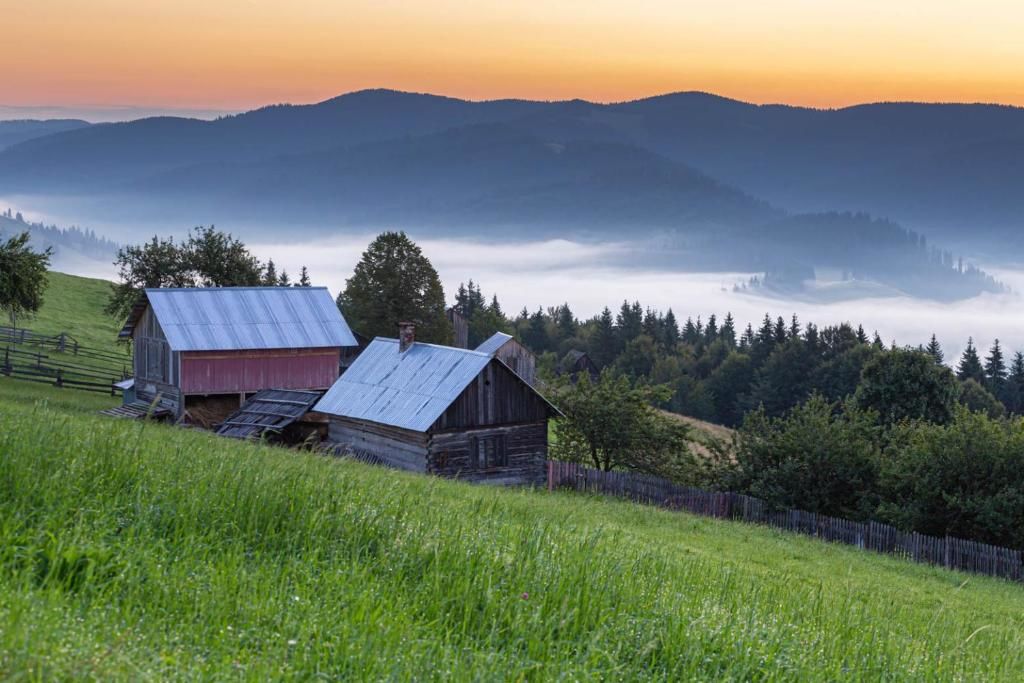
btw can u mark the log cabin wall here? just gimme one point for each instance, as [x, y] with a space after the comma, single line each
[520, 359]
[400, 448]
[156, 366]
[508, 454]
[495, 397]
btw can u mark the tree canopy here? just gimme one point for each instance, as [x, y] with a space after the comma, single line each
[394, 282]
[22, 277]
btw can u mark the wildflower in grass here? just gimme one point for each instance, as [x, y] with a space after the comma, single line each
[525, 596]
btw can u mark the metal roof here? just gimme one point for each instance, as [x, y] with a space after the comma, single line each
[244, 318]
[493, 343]
[409, 390]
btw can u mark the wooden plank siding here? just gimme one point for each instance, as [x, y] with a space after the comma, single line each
[452, 454]
[520, 359]
[495, 397]
[399, 448]
[224, 372]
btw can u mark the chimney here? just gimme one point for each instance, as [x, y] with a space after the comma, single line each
[406, 336]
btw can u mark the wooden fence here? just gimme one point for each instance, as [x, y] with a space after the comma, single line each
[949, 552]
[60, 361]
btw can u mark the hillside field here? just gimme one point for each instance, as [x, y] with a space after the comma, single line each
[138, 551]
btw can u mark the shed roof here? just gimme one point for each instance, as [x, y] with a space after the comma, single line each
[409, 390]
[244, 318]
[493, 343]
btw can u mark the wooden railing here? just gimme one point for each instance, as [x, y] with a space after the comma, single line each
[948, 552]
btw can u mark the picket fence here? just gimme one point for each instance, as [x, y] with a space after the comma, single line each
[948, 552]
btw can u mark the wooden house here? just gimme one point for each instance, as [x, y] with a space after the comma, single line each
[509, 351]
[439, 410]
[575, 362]
[208, 349]
[460, 328]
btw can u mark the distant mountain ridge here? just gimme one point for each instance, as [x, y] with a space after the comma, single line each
[938, 167]
[719, 179]
[20, 130]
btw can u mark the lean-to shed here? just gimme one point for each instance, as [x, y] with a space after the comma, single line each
[509, 351]
[209, 348]
[440, 410]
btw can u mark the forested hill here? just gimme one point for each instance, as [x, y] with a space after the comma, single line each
[13, 132]
[65, 242]
[942, 168]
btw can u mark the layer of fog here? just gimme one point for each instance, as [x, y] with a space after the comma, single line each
[589, 277]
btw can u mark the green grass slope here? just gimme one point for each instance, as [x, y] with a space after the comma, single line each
[74, 305]
[132, 551]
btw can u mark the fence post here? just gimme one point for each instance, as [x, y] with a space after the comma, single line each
[7, 360]
[113, 389]
[62, 342]
[60, 378]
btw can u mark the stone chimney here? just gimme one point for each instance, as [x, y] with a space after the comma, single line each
[406, 336]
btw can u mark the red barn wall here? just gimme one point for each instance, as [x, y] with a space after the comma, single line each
[225, 372]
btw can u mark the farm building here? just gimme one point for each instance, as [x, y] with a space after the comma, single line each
[206, 349]
[505, 348]
[575, 362]
[440, 410]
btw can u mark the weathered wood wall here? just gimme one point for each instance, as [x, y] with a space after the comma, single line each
[156, 366]
[520, 359]
[496, 397]
[399, 448]
[153, 359]
[526, 446]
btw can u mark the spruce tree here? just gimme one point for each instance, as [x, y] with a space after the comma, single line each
[711, 330]
[970, 365]
[602, 342]
[995, 370]
[1015, 385]
[270, 274]
[728, 332]
[670, 330]
[934, 349]
[794, 327]
[283, 280]
[779, 333]
[862, 336]
[304, 278]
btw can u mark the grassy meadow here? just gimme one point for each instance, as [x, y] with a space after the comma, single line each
[142, 552]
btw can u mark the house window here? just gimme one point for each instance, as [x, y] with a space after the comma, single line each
[490, 452]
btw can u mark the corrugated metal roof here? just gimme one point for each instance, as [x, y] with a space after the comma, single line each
[242, 318]
[493, 343]
[408, 390]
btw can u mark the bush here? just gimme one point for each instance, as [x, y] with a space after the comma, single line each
[817, 458]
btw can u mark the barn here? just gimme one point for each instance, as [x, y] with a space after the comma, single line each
[509, 351]
[206, 349]
[439, 410]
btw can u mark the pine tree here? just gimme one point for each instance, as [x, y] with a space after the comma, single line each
[670, 330]
[690, 335]
[970, 365]
[283, 280]
[1015, 385]
[629, 322]
[794, 327]
[748, 339]
[862, 336]
[780, 331]
[602, 342]
[995, 370]
[270, 274]
[728, 333]
[651, 324]
[565, 322]
[711, 329]
[811, 339]
[934, 349]
[304, 278]
[495, 308]
[877, 341]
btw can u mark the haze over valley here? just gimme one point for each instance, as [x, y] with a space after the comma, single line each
[689, 200]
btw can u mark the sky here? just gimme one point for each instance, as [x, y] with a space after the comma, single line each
[208, 56]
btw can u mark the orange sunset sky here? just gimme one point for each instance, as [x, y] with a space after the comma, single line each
[237, 54]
